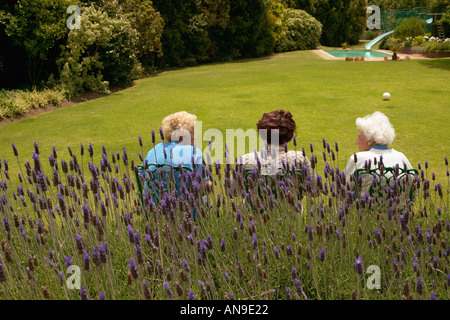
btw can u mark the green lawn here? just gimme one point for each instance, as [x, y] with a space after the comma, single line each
[325, 97]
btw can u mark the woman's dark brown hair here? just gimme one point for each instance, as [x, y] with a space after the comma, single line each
[281, 120]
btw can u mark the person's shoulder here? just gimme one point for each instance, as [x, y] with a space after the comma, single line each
[248, 158]
[295, 154]
[397, 152]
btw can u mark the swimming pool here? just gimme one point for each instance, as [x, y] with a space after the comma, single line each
[357, 53]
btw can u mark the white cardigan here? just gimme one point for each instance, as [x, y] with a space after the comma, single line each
[391, 158]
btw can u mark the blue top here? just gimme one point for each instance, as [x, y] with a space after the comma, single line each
[174, 153]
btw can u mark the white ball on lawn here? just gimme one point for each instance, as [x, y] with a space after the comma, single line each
[386, 96]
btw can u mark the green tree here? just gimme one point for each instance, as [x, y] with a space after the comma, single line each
[357, 20]
[410, 27]
[302, 31]
[333, 14]
[185, 39]
[241, 38]
[39, 27]
[217, 16]
[150, 26]
[98, 55]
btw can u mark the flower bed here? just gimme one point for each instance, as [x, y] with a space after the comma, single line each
[72, 230]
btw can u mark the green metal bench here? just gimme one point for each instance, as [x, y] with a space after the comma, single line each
[379, 187]
[272, 181]
[155, 176]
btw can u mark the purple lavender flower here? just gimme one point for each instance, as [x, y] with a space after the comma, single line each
[277, 252]
[359, 266]
[15, 150]
[133, 269]
[254, 242]
[202, 286]
[86, 260]
[419, 286]
[68, 261]
[168, 290]
[3, 277]
[185, 265]
[288, 293]
[36, 147]
[321, 254]
[222, 245]
[310, 234]
[83, 293]
[190, 295]
[433, 295]
[101, 296]
[289, 251]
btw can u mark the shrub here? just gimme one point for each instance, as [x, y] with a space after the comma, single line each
[99, 54]
[418, 49]
[302, 32]
[15, 103]
[410, 27]
[418, 41]
[436, 45]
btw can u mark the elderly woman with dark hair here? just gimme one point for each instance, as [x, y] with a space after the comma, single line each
[277, 128]
[375, 135]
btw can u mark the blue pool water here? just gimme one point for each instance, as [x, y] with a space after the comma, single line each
[357, 53]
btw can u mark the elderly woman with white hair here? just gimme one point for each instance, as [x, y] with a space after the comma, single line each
[375, 135]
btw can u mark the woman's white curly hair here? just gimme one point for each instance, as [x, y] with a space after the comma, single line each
[377, 128]
[176, 122]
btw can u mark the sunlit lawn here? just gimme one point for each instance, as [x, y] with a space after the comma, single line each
[325, 97]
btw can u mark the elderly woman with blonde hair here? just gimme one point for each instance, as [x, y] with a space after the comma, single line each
[375, 135]
[178, 145]
[177, 148]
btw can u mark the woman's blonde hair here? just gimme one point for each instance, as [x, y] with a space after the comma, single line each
[377, 128]
[177, 121]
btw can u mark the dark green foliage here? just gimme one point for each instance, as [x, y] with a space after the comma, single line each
[184, 37]
[410, 27]
[302, 32]
[31, 32]
[241, 36]
[358, 19]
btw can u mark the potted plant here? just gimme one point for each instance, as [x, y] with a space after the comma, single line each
[395, 45]
[344, 45]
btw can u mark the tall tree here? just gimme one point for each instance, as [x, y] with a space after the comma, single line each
[39, 27]
[357, 20]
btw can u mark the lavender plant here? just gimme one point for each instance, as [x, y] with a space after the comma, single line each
[249, 240]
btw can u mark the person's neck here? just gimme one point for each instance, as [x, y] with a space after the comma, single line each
[280, 148]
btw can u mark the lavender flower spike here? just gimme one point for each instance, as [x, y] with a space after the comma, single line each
[359, 266]
[168, 290]
[190, 295]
